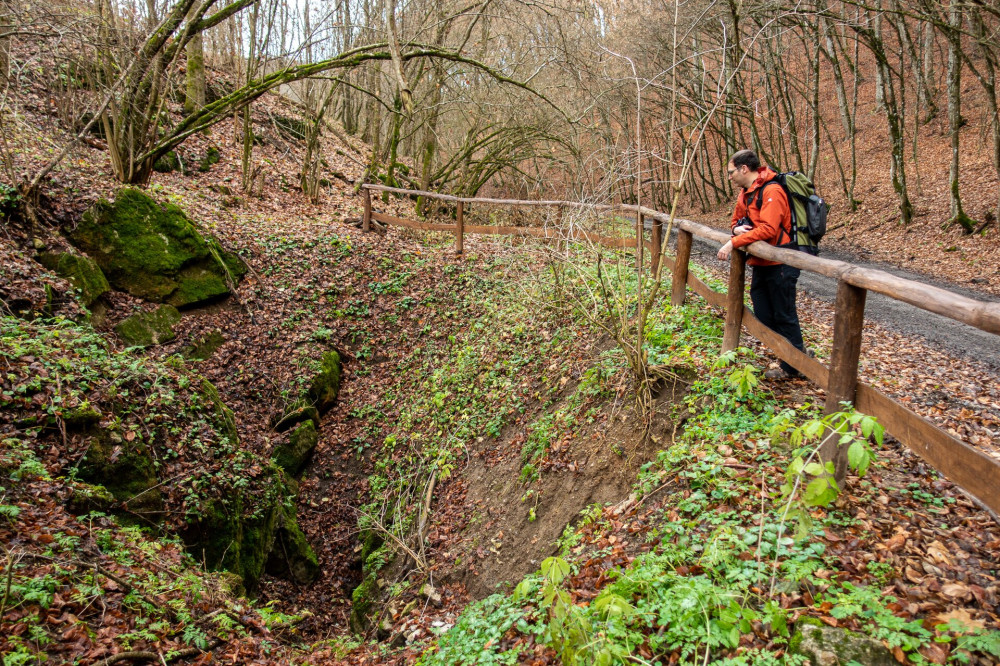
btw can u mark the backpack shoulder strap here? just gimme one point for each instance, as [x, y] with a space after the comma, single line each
[760, 190]
[779, 180]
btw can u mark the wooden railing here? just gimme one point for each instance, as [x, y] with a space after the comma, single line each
[973, 470]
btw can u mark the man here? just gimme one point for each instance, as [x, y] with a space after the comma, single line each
[772, 286]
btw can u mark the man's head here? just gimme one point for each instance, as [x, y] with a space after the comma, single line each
[742, 168]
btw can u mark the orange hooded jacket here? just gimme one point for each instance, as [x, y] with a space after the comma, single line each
[772, 222]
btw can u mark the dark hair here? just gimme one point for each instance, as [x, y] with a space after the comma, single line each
[746, 158]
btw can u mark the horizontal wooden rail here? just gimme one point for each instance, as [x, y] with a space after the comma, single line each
[981, 314]
[973, 470]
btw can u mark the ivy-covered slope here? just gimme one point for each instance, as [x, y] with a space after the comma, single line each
[732, 547]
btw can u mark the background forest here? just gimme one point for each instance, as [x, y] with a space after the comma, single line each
[886, 102]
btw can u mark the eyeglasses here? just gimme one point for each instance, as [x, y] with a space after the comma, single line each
[732, 171]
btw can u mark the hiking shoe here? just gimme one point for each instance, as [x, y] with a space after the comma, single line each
[776, 373]
[780, 373]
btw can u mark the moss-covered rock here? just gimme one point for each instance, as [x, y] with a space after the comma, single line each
[212, 157]
[169, 162]
[149, 328]
[83, 273]
[325, 384]
[294, 455]
[125, 469]
[291, 128]
[204, 347]
[367, 594]
[154, 252]
[84, 498]
[291, 556]
[830, 646]
[233, 535]
[298, 413]
[363, 599]
[80, 418]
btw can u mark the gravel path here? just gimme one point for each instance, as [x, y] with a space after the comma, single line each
[945, 334]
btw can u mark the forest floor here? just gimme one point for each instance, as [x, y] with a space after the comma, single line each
[399, 307]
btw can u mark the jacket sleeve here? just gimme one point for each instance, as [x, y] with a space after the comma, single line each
[773, 213]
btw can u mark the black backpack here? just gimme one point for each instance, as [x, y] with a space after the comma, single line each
[809, 211]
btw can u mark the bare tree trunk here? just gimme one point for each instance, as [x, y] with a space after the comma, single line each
[988, 80]
[246, 158]
[814, 148]
[958, 216]
[194, 75]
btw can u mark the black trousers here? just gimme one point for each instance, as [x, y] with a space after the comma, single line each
[772, 292]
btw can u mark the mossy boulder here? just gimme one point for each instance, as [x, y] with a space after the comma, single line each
[291, 128]
[149, 328]
[830, 646]
[83, 273]
[325, 384]
[125, 468]
[294, 455]
[211, 158]
[154, 251]
[324, 387]
[366, 595]
[84, 498]
[172, 161]
[363, 599]
[240, 534]
[291, 555]
[298, 413]
[236, 533]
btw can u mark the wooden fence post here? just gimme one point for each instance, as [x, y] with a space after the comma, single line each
[657, 248]
[848, 322]
[459, 229]
[679, 291]
[366, 220]
[734, 301]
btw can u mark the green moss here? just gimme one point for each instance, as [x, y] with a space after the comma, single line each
[238, 533]
[125, 469]
[371, 541]
[149, 328]
[84, 498]
[167, 163]
[291, 128]
[198, 284]
[154, 252]
[292, 557]
[83, 273]
[293, 455]
[824, 644]
[80, 418]
[362, 599]
[212, 157]
[326, 384]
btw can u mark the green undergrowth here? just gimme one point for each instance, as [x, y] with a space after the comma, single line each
[733, 556]
[62, 378]
[106, 581]
[152, 433]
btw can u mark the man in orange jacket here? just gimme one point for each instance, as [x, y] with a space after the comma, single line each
[765, 218]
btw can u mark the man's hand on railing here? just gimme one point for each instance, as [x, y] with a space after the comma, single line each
[725, 251]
